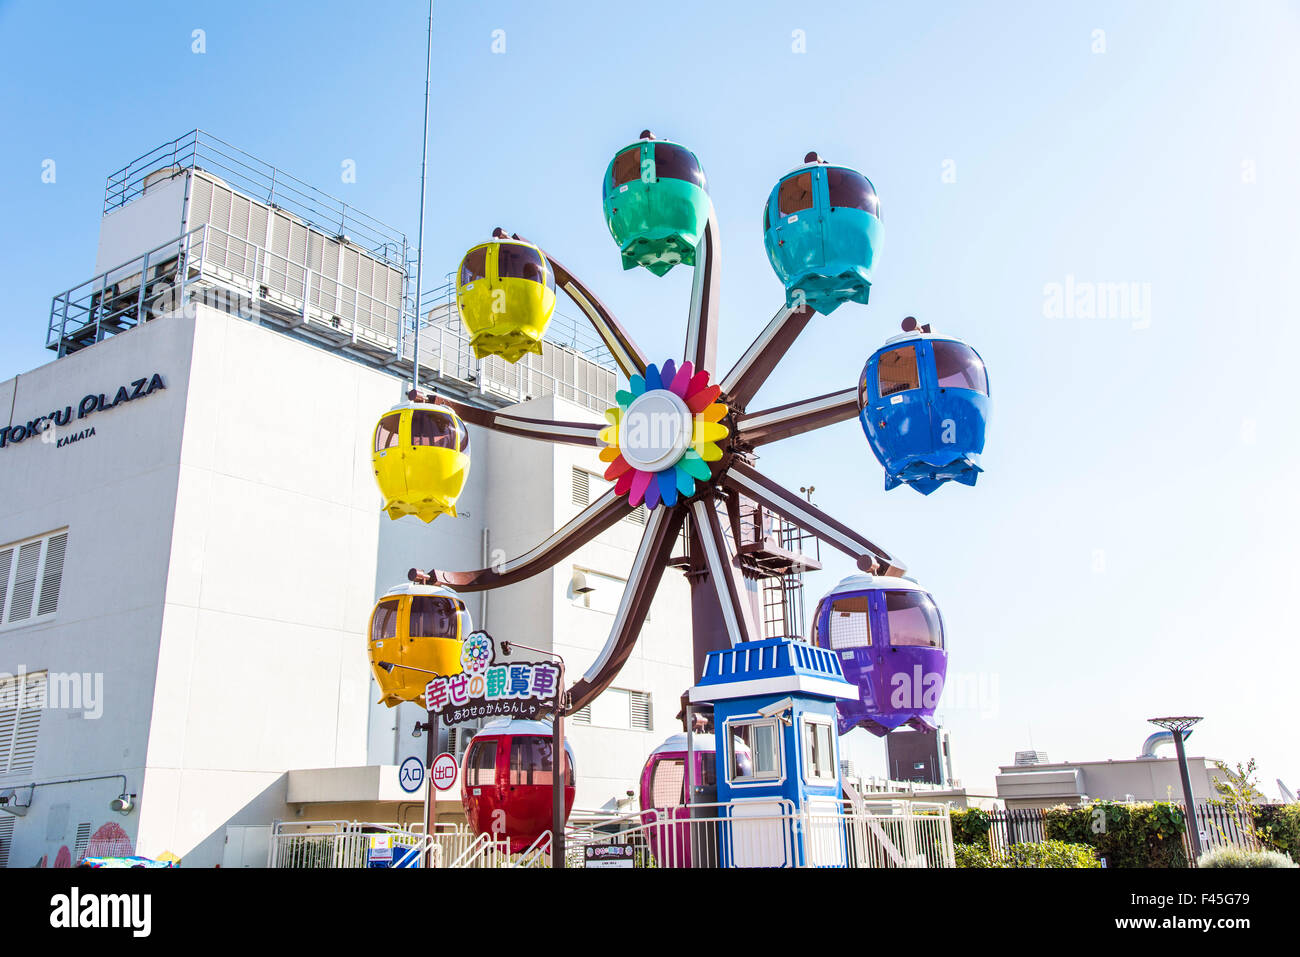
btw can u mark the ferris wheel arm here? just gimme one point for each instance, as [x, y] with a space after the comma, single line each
[547, 430]
[702, 322]
[869, 556]
[578, 531]
[662, 528]
[707, 531]
[748, 375]
[631, 360]
[795, 418]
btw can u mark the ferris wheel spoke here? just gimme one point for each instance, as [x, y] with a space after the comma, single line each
[652, 557]
[736, 612]
[748, 375]
[795, 418]
[702, 323]
[631, 360]
[546, 430]
[582, 528]
[869, 556]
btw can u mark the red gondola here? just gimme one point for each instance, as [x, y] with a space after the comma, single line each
[506, 781]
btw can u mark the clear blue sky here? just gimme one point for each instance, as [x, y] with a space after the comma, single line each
[1131, 550]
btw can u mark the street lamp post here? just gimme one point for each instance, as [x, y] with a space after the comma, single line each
[559, 760]
[1178, 725]
[428, 727]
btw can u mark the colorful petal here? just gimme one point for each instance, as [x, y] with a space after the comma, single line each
[707, 432]
[698, 381]
[667, 373]
[624, 483]
[682, 381]
[624, 398]
[652, 491]
[667, 481]
[609, 453]
[640, 482]
[703, 399]
[685, 481]
[636, 385]
[609, 435]
[714, 413]
[617, 468]
[613, 415]
[710, 452]
[652, 379]
[694, 465]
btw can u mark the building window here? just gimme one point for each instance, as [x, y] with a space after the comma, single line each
[31, 574]
[763, 741]
[6, 838]
[818, 750]
[603, 592]
[22, 699]
[588, 486]
[618, 708]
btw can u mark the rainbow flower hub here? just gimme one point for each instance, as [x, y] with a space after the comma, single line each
[663, 434]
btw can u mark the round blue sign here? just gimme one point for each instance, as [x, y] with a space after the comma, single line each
[411, 775]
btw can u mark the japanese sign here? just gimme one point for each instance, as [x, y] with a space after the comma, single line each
[609, 855]
[486, 688]
[444, 772]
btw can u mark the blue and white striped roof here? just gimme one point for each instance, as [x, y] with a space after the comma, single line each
[772, 666]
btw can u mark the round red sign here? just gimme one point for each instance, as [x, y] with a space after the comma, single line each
[444, 772]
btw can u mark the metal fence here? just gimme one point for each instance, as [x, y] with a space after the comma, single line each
[207, 264]
[344, 844]
[773, 833]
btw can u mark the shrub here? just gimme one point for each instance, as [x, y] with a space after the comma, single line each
[1278, 826]
[1056, 854]
[1241, 857]
[1126, 835]
[970, 826]
[972, 855]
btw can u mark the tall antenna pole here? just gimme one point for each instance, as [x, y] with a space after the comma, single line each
[424, 162]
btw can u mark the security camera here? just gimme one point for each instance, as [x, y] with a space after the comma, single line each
[122, 804]
[777, 709]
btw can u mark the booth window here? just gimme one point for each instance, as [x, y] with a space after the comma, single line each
[31, 577]
[386, 436]
[668, 784]
[674, 162]
[795, 194]
[432, 617]
[818, 750]
[474, 266]
[520, 262]
[627, 166]
[850, 623]
[763, 739]
[896, 371]
[481, 764]
[432, 429]
[384, 623]
[958, 367]
[530, 761]
[913, 620]
[847, 188]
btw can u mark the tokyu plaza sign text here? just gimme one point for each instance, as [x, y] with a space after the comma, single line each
[89, 405]
[486, 688]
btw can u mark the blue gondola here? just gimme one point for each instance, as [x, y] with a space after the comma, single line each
[889, 637]
[822, 230]
[923, 400]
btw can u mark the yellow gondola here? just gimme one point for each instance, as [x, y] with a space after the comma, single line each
[505, 291]
[421, 460]
[415, 633]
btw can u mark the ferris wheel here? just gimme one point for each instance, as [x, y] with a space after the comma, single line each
[683, 437]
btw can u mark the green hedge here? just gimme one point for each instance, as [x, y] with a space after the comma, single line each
[1126, 835]
[1241, 857]
[1278, 826]
[970, 826]
[1056, 854]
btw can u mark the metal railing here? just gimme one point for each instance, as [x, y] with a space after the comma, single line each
[344, 844]
[763, 833]
[258, 179]
[211, 265]
[484, 851]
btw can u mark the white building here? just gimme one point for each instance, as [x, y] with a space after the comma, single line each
[189, 555]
